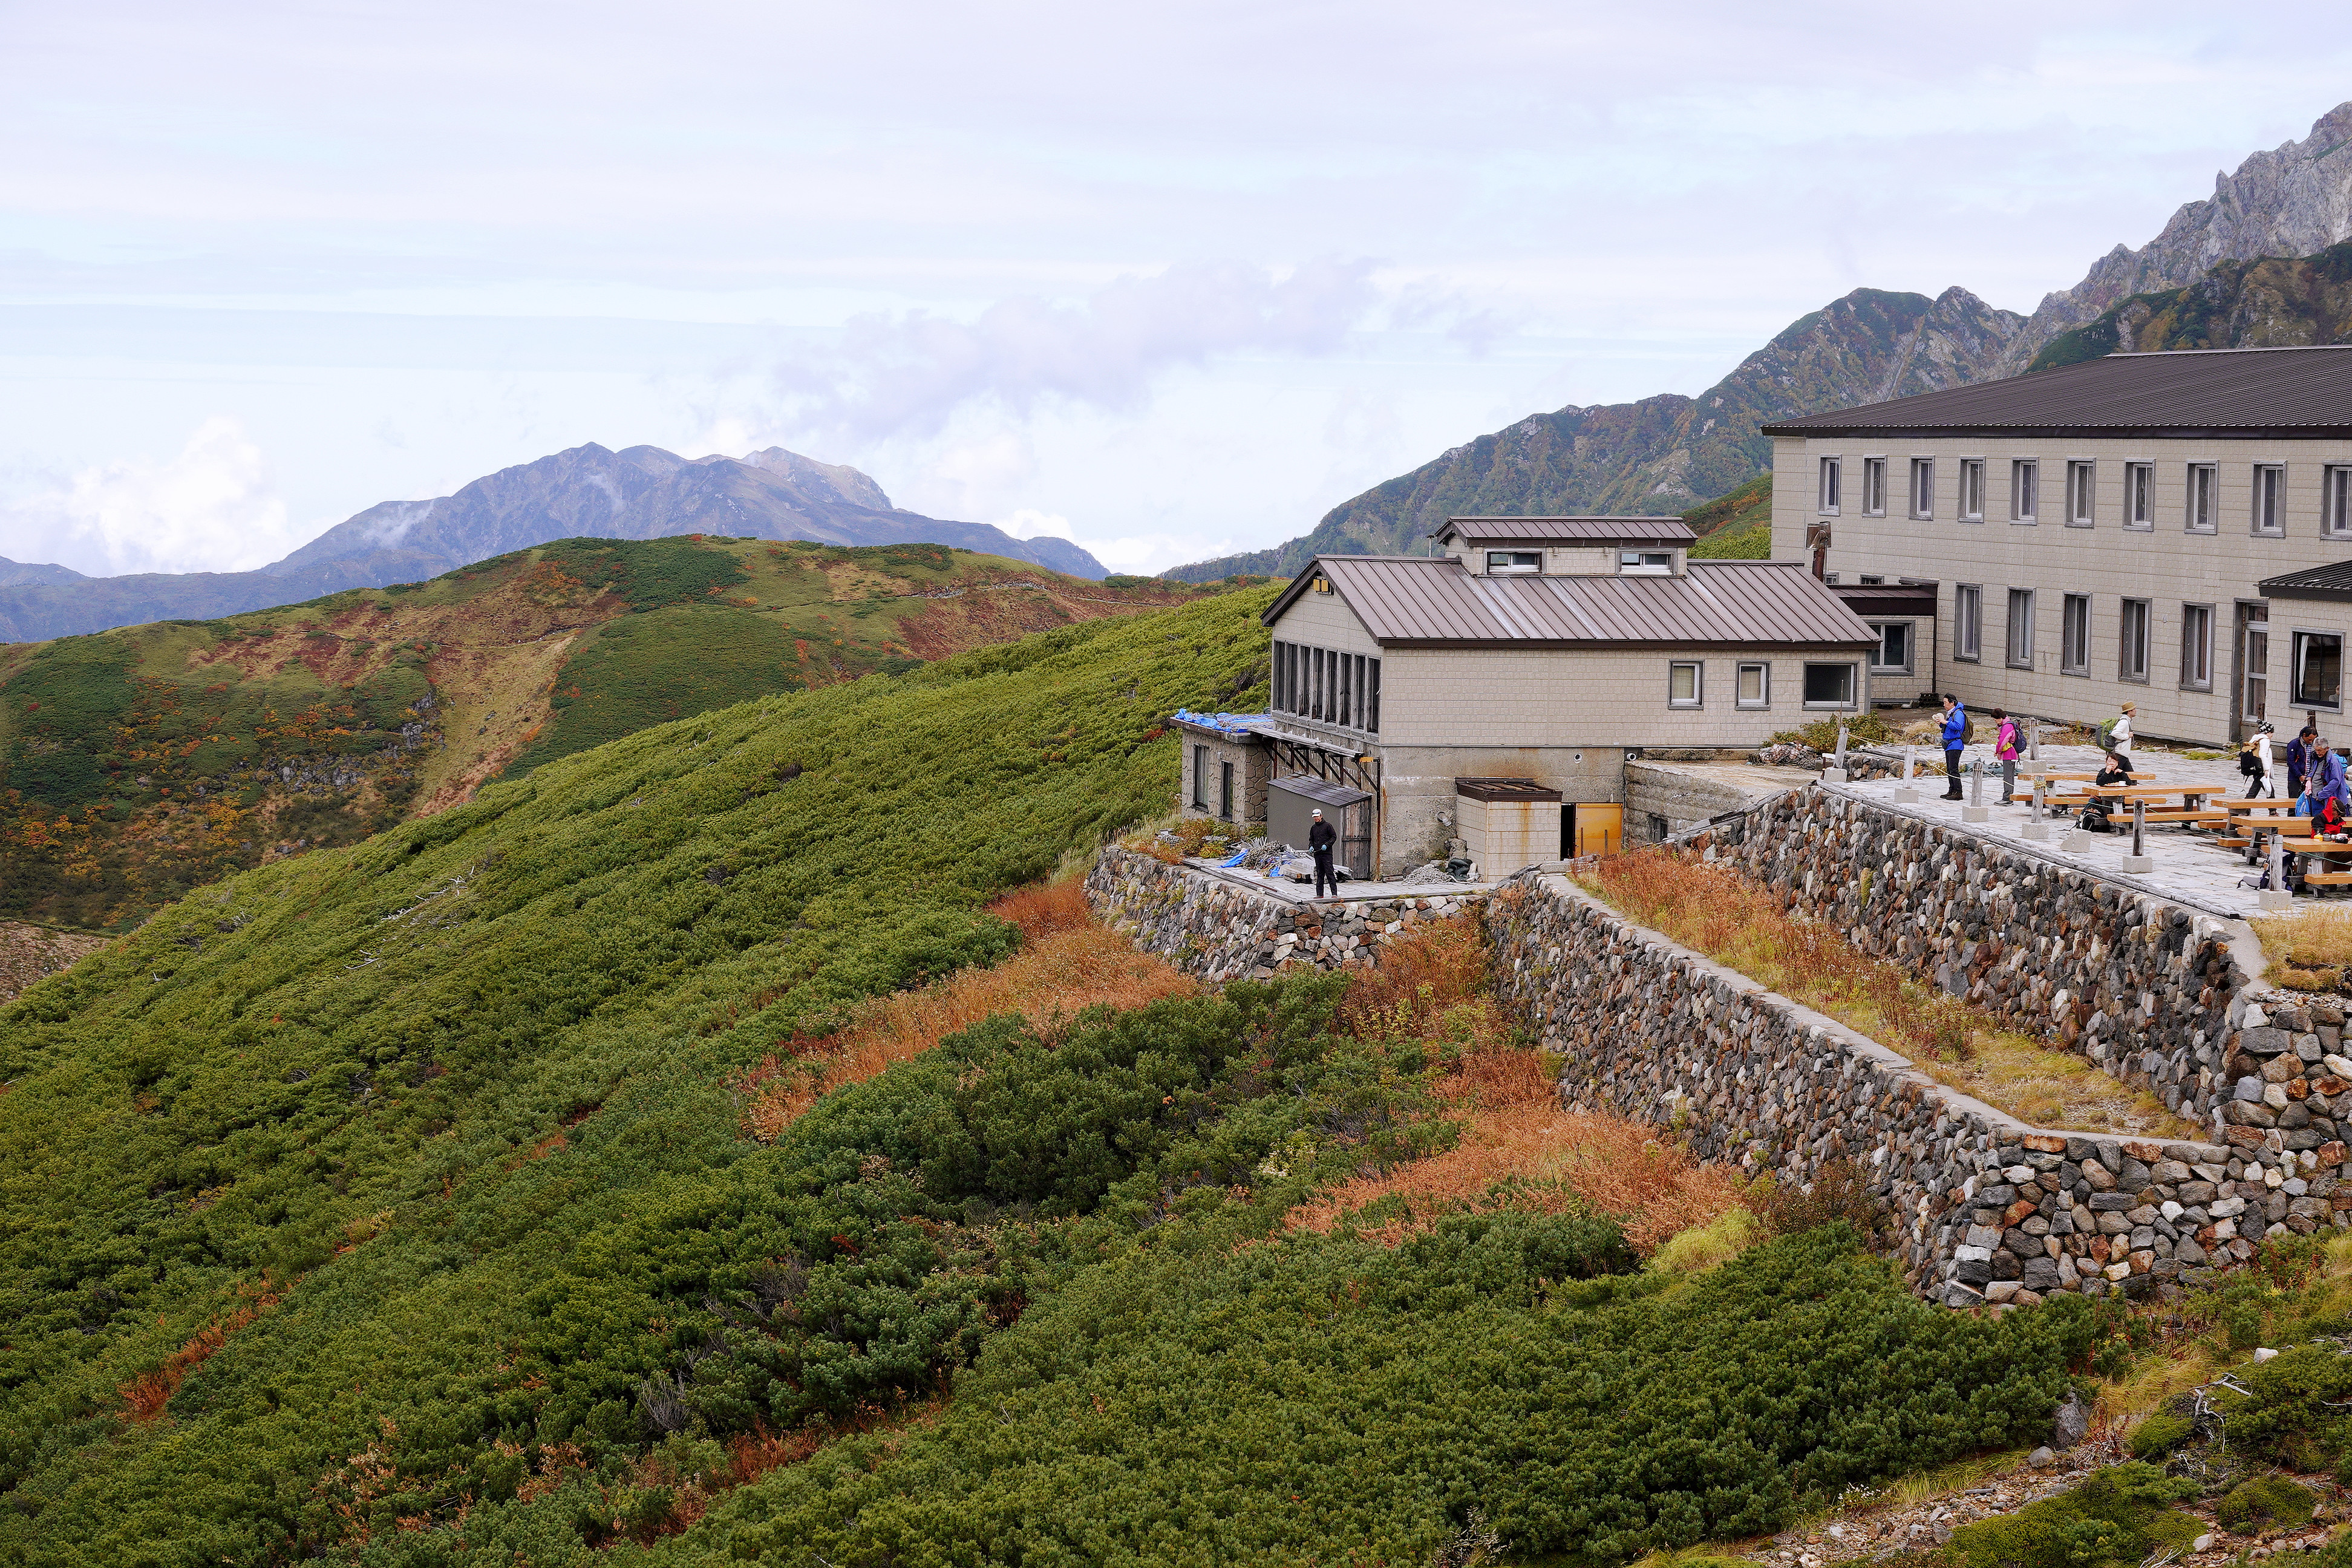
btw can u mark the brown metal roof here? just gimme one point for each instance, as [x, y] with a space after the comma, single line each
[2244, 394]
[1887, 598]
[2333, 581]
[1411, 601]
[1589, 529]
[1505, 790]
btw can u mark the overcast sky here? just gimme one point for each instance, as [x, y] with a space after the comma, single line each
[1170, 282]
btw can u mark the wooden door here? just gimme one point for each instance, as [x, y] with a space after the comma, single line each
[1599, 828]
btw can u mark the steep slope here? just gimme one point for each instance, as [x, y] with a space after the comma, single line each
[1735, 525]
[136, 764]
[1667, 453]
[2271, 303]
[2293, 200]
[641, 493]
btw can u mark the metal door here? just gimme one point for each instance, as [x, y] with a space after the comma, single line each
[1356, 839]
[1599, 828]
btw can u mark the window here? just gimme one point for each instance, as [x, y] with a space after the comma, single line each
[2270, 500]
[1923, 487]
[1829, 685]
[2074, 636]
[1655, 563]
[2024, 490]
[1685, 685]
[2132, 665]
[1870, 579]
[1199, 778]
[1968, 620]
[1873, 486]
[2196, 647]
[2021, 628]
[1659, 828]
[2139, 495]
[1755, 686]
[1320, 683]
[2318, 670]
[1971, 489]
[1515, 563]
[1225, 791]
[1831, 470]
[2336, 502]
[2081, 494]
[2199, 508]
[1893, 652]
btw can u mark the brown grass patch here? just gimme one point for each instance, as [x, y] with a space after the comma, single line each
[2309, 950]
[1045, 908]
[144, 1397]
[1739, 923]
[1051, 980]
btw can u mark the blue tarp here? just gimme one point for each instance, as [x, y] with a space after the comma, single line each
[1233, 726]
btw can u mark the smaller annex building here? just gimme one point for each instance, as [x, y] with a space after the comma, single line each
[1516, 672]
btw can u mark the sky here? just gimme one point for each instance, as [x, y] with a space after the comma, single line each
[1169, 282]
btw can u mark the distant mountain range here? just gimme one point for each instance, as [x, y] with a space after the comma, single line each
[641, 492]
[1670, 453]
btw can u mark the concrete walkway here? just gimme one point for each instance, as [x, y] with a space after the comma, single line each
[1350, 893]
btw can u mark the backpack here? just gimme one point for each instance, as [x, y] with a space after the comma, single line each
[1967, 726]
[2107, 734]
[2095, 819]
[2249, 766]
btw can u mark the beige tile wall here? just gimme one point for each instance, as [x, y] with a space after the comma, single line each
[1324, 620]
[1469, 697]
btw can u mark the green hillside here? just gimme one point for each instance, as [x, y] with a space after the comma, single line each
[2273, 302]
[1735, 526]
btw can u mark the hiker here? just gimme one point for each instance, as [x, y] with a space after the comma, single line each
[2299, 760]
[1956, 736]
[2116, 772]
[2119, 733]
[2255, 761]
[1321, 838]
[2004, 749]
[2326, 779]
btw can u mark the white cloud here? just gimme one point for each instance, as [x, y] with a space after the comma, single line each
[1029, 524]
[211, 508]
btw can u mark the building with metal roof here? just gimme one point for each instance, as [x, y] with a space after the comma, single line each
[2163, 528]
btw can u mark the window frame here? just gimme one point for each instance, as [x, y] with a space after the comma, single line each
[2082, 492]
[1225, 789]
[1642, 566]
[1923, 489]
[1739, 698]
[2336, 501]
[1829, 486]
[1698, 699]
[1515, 563]
[2197, 651]
[2140, 498]
[1853, 686]
[2012, 654]
[1972, 489]
[1967, 622]
[2268, 483]
[2075, 635]
[2304, 636]
[2136, 615]
[2200, 495]
[1873, 486]
[1910, 631]
[2025, 491]
[1200, 780]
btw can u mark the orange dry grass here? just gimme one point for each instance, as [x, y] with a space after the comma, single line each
[144, 1397]
[1046, 907]
[1050, 980]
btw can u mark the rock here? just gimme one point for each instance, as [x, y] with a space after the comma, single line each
[2072, 1422]
[2263, 1356]
[2202, 1543]
[2040, 1457]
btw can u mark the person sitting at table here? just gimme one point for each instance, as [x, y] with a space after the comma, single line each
[2116, 772]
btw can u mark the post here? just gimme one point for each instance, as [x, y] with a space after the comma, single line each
[2033, 739]
[2275, 896]
[2037, 830]
[1837, 773]
[2139, 860]
[1974, 810]
[1904, 793]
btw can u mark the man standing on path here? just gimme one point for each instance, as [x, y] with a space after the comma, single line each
[2299, 760]
[1956, 736]
[1321, 838]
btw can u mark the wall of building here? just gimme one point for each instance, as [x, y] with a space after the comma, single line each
[1508, 836]
[2164, 564]
[1417, 801]
[1253, 763]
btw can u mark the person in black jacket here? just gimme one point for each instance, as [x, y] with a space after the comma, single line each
[1321, 838]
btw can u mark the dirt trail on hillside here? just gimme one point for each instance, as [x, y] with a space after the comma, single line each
[28, 954]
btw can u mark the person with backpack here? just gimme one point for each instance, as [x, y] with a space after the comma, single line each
[2004, 751]
[1956, 739]
[2255, 761]
[2118, 737]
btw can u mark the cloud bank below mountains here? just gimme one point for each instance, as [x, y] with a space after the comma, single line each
[210, 507]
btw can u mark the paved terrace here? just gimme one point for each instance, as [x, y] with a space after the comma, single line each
[1303, 893]
[2190, 868]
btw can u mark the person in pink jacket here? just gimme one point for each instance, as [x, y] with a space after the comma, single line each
[2004, 747]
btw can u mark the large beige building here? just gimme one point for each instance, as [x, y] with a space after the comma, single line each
[1536, 652]
[2173, 529]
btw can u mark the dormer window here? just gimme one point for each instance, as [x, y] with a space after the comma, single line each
[1645, 563]
[1514, 562]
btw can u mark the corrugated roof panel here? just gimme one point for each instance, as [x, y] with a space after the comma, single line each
[1592, 529]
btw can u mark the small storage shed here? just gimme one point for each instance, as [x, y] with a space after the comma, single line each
[1508, 824]
[1291, 802]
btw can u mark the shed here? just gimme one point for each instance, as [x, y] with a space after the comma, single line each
[1508, 824]
[1291, 802]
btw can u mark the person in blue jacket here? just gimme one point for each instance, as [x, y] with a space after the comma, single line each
[1956, 734]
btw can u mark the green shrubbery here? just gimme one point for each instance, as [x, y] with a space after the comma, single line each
[2266, 1503]
[2120, 1515]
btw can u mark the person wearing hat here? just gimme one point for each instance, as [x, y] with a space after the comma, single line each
[2119, 735]
[2254, 763]
[1320, 837]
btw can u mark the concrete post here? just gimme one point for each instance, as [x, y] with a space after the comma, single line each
[1904, 793]
[2038, 830]
[1836, 771]
[1974, 810]
[2139, 861]
[2275, 896]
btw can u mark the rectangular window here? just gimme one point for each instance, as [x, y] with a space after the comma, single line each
[1225, 791]
[1514, 562]
[2318, 670]
[2081, 494]
[1972, 489]
[2198, 509]
[2139, 495]
[2024, 490]
[2074, 636]
[1755, 686]
[2021, 628]
[1873, 486]
[1831, 468]
[1685, 685]
[1199, 778]
[2336, 502]
[2131, 663]
[1893, 655]
[1314, 684]
[1922, 488]
[2270, 498]
[1645, 563]
[1829, 685]
[1870, 579]
[2196, 647]
[1968, 620]
[1373, 698]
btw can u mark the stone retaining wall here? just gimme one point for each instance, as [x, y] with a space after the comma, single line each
[1221, 930]
[1991, 1209]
